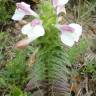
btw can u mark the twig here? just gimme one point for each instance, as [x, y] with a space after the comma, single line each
[78, 94]
[87, 92]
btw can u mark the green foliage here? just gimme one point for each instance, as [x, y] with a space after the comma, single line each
[90, 68]
[76, 51]
[16, 69]
[6, 45]
[2, 82]
[6, 10]
[17, 92]
[14, 73]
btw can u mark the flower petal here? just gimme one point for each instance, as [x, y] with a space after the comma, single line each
[34, 14]
[39, 30]
[67, 40]
[55, 3]
[26, 9]
[70, 33]
[22, 5]
[59, 3]
[33, 32]
[77, 31]
[22, 10]
[27, 29]
[18, 15]
[64, 28]
[23, 43]
[62, 2]
[36, 22]
[61, 9]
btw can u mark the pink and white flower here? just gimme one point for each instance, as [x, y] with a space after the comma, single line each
[23, 9]
[34, 29]
[70, 33]
[59, 5]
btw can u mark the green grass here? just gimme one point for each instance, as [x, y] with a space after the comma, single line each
[77, 50]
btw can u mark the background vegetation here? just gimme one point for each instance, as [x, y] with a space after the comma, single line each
[46, 67]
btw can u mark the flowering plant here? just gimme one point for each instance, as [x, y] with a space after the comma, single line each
[50, 69]
[69, 33]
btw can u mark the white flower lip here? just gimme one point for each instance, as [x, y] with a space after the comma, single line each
[22, 10]
[33, 32]
[61, 9]
[59, 5]
[77, 32]
[18, 15]
[67, 40]
[63, 2]
[69, 37]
